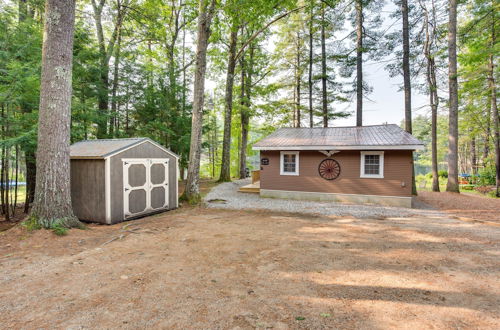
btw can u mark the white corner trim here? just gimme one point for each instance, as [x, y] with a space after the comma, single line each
[362, 165]
[296, 153]
[327, 147]
[177, 183]
[141, 143]
[107, 189]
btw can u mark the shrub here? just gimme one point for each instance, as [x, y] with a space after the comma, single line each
[486, 176]
[443, 174]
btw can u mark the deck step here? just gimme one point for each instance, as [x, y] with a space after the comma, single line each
[251, 188]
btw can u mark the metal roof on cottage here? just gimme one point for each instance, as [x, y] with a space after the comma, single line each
[377, 137]
[103, 148]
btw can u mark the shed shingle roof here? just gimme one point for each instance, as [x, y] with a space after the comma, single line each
[342, 138]
[101, 148]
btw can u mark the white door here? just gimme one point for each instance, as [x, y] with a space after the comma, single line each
[145, 184]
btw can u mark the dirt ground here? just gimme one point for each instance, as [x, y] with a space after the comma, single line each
[219, 269]
[463, 205]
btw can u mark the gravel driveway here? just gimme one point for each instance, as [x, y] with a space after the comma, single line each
[226, 196]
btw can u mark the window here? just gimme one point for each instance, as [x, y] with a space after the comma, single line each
[289, 163]
[372, 164]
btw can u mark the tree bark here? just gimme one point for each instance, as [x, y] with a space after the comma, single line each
[243, 119]
[105, 52]
[114, 91]
[406, 81]
[245, 114]
[452, 185]
[29, 153]
[225, 170]
[324, 103]
[30, 161]
[311, 54]
[359, 62]
[430, 36]
[52, 205]
[494, 107]
[206, 12]
[297, 83]
[473, 161]
[16, 176]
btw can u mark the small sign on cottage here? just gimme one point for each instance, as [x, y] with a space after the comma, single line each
[264, 161]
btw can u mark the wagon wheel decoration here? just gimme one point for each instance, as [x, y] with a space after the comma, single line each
[329, 169]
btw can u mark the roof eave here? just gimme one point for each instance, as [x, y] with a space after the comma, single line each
[326, 147]
[86, 157]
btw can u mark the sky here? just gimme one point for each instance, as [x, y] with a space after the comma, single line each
[386, 103]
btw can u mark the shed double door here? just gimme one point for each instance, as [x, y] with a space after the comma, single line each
[145, 186]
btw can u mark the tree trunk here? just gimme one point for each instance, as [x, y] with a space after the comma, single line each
[52, 205]
[473, 155]
[206, 12]
[487, 134]
[494, 108]
[16, 176]
[243, 120]
[324, 103]
[297, 83]
[406, 80]
[245, 115]
[225, 170]
[114, 101]
[406, 65]
[103, 85]
[105, 53]
[452, 185]
[359, 63]
[311, 54]
[432, 87]
[30, 162]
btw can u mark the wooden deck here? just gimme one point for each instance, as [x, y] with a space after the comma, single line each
[251, 188]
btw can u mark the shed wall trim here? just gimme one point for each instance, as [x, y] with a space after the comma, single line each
[138, 144]
[177, 183]
[107, 188]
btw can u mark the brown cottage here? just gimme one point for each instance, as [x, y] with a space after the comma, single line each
[121, 179]
[369, 164]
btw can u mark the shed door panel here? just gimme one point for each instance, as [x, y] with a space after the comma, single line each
[159, 183]
[145, 183]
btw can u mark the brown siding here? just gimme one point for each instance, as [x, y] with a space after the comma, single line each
[87, 189]
[397, 170]
[145, 150]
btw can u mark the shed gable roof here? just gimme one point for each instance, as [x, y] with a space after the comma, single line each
[341, 138]
[104, 148]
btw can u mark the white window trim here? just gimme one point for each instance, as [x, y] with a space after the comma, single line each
[296, 153]
[362, 167]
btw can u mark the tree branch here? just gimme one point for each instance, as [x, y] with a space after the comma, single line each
[256, 34]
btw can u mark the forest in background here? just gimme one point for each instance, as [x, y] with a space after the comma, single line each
[136, 72]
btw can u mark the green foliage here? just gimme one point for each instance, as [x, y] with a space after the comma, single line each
[443, 174]
[487, 176]
[59, 230]
[31, 224]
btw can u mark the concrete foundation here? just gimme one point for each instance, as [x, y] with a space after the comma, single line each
[396, 201]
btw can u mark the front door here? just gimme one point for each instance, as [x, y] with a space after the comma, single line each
[145, 185]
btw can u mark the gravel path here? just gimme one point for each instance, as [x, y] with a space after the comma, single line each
[226, 196]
